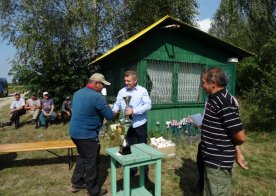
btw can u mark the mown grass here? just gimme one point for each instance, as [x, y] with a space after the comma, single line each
[42, 173]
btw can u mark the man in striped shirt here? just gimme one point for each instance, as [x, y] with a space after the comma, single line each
[222, 133]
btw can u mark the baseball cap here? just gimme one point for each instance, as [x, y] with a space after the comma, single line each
[68, 98]
[45, 93]
[16, 93]
[99, 78]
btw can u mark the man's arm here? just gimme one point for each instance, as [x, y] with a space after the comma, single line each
[146, 106]
[52, 109]
[27, 106]
[117, 104]
[12, 106]
[38, 104]
[239, 137]
[240, 158]
[63, 107]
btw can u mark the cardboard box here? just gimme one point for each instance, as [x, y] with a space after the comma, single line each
[169, 151]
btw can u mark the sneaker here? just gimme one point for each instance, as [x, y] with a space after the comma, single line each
[102, 192]
[76, 188]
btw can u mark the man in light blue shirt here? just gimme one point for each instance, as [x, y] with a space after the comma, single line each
[139, 104]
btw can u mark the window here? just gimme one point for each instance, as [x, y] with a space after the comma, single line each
[189, 88]
[164, 88]
[160, 81]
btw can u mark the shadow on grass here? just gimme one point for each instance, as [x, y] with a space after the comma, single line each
[8, 161]
[188, 177]
[134, 182]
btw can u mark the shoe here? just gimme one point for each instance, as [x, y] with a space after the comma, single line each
[36, 125]
[102, 192]
[76, 188]
[33, 122]
[9, 124]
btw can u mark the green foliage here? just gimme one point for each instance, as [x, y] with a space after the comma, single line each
[261, 95]
[56, 40]
[134, 18]
[228, 24]
[248, 24]
[251, 25]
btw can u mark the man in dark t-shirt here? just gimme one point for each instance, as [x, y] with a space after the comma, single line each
[47, 111]
[222, 133]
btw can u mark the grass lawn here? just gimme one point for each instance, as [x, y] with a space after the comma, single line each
[42, 173]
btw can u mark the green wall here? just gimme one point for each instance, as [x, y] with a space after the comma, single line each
[166, 46]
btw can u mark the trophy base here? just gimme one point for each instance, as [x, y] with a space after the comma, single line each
[127, 121]
[124, 150]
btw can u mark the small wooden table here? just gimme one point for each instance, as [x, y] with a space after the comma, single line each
[141, 155]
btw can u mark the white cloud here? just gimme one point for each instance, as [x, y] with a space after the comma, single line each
[205, 24]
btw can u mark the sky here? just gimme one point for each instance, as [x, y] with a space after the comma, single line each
[207, 9]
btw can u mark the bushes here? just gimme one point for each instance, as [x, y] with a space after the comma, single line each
[258, 89]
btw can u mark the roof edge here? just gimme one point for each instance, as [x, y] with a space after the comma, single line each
[131, 39]
[137, 35]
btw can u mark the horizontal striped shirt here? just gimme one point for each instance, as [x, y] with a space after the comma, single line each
[220, 121]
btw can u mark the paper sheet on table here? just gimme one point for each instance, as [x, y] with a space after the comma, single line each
[197, 119]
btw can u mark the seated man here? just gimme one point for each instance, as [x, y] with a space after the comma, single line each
[17, 109]
[33, 105]
[47, 111]
[66, 110]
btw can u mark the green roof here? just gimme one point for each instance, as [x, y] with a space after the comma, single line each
[168, 20]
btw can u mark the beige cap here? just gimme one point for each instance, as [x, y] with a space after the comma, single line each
[45, 93]
[99, 78]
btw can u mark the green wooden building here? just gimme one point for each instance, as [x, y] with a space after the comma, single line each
[169, 57]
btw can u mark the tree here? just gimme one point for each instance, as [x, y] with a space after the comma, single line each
[55, 41]
[248, 24]
[228, 24]
[142, 13]
[261, 98]
[251, 25]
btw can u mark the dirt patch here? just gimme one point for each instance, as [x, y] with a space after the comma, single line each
[6, 101]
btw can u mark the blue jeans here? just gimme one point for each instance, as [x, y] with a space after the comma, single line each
[42, 118]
